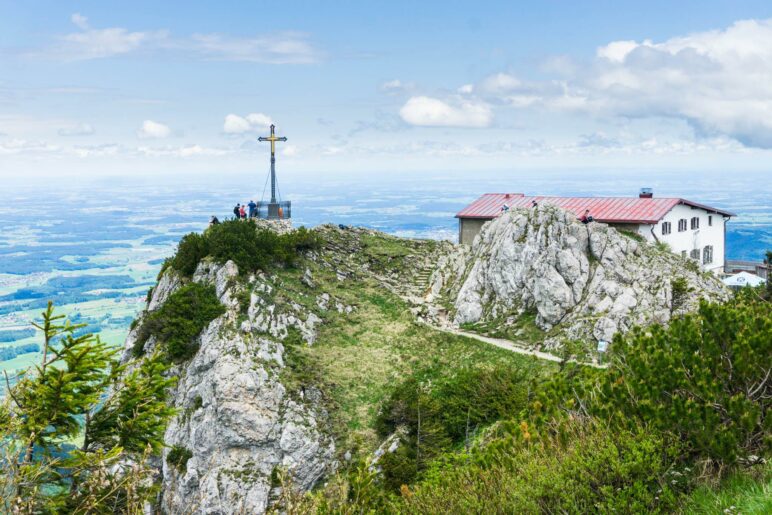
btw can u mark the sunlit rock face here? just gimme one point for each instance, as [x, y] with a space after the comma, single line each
[235, 416]
[579, 281]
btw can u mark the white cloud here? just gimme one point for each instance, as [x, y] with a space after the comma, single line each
[23, 146]
[289, 151]
[500, 83]
[279, 48]
[432, 112]
[259, 120]
[392, 85]
[80, 21]
[90, 43]
[717, 80]
[616, 51]
[103, 150]
[235, 124]
[153, 130]
[397, 87]
[81, 129]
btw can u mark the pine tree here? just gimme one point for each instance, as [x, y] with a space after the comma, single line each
[80, 392]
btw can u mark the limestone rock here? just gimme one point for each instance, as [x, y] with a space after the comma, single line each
[235, 415]
[590, 281]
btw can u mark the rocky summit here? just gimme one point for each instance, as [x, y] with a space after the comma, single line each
[289, 376]
[574, 281]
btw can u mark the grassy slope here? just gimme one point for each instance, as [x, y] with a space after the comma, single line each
[738, 493]
[360, 357]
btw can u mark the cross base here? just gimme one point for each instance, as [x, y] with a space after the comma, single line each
[274, 210]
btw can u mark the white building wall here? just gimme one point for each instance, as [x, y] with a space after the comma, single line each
[691, 238]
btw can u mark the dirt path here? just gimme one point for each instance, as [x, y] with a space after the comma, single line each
[510, 346]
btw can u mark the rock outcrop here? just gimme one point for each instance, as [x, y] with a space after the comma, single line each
[236, 418]
[576, 281]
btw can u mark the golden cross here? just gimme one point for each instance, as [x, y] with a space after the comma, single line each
[273, 139]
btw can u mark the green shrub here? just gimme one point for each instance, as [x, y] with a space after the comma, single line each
[244, 296]
[193, 247]
[679, 293]
[164, 266]
[692, 265]
[180, 319]
[178, 458]
[576, 468]
[704, 380]
[242, 242]
[445, 412]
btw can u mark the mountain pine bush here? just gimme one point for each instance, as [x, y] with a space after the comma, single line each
[180, 319]
[251, 248]
[705, 380]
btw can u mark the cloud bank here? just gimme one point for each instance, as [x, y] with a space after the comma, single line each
[717, 81]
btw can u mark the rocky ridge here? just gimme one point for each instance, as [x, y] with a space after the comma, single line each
[572, 281]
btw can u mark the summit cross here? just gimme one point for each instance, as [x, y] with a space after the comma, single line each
[273, 138]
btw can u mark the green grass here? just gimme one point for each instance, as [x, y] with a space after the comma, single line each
[739, 493]
[523, 330]
[632, 235]
[361, 357]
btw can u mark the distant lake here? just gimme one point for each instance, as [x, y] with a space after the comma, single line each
[95, 246]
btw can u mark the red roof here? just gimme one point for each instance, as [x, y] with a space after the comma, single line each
[602, 209]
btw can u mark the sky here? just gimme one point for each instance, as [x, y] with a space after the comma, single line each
[105, 88]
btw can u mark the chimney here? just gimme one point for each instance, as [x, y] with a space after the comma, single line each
[646, 193]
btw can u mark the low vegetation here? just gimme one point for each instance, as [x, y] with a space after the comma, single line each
[179, 320]
[178, 457]
[242, 242]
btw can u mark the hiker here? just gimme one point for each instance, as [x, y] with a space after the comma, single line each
[213, 221]
[237, 211]
[252, 209]
[243, 213]
[534, 204]
[504, 208]
[586, 218]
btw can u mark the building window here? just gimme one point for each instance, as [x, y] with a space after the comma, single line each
[666, 228]
[710, 220]
[695, 222]
[707, 254]
[682, 225]
[683, 254]
[695, 255]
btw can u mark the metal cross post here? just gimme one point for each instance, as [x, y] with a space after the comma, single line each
[273, 139]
